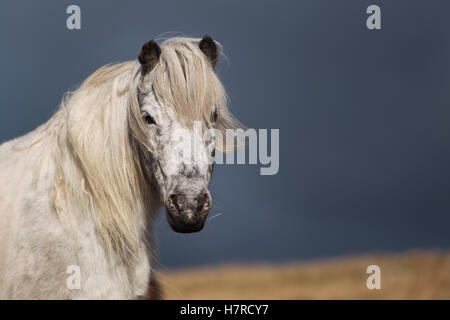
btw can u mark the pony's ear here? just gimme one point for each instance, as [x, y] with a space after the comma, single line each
[149, 56]
[209, 48]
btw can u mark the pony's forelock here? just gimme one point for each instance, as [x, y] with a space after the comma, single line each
[184, 80]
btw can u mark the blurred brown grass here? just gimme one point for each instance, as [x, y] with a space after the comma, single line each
[414, 275]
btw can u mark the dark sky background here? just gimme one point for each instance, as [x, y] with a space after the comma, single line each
[364, 116]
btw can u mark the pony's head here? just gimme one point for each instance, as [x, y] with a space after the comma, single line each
[178, 91]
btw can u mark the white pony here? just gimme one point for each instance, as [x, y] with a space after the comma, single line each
[77, 193]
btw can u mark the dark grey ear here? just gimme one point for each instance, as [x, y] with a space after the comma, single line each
[209, 48]
[149, 56]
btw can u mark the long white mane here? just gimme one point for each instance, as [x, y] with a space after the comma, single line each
[96, 133]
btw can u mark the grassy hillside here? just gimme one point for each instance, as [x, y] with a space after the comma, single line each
[419, 275]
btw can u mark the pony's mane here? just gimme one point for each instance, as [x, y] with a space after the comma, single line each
[99, 168]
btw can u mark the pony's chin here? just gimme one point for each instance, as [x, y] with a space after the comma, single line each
[186, 229]
[182, 227]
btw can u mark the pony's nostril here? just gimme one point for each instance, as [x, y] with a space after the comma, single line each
[203, 202]
[206, 205]
[173, 203]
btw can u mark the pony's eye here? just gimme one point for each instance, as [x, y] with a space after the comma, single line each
[215, 115]
[148, 118]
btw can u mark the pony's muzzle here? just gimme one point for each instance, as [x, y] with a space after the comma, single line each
[186, 212]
